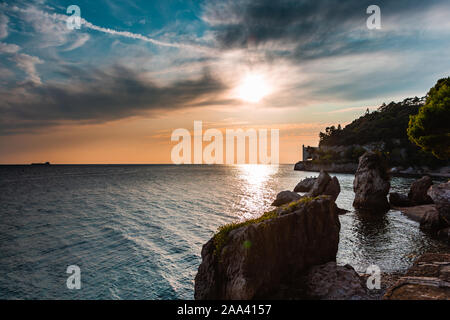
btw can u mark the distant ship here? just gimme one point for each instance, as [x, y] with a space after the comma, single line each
[41, 164]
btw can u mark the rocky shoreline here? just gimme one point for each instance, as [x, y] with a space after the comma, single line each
[351, 167]
[290, 252]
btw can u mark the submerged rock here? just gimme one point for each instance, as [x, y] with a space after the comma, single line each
[371, 184]
[285, 197]
[417, 213]
[332, 282]
[399, 200]
[427, 279]
[252, 260]
[418, 191]
[305, 185]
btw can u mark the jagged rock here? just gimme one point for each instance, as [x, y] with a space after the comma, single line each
[333, 188]
[440, 194]
[305, 185]
[256, 258]
[285, 197]
[371, 184]
[325, 185]
[427, 279]
[320, 184]
[418, 191]
[332, 282]
[399, 200]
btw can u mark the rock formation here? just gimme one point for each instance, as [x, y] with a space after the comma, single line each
[431, 221]
[325, 185]
[371, 184]
[285, 197]
[305, 185]
[418, 191]
[332, 282]
[427, 279]
[440, 194]
[322, 185]
[252, 260]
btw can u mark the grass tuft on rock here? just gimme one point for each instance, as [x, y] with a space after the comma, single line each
[221, 236]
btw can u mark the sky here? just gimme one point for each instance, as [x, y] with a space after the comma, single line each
[114, 90]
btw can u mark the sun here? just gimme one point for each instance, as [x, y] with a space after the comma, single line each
[253, 87]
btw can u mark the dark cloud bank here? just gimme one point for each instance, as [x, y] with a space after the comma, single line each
[316, 28]
[100, 96]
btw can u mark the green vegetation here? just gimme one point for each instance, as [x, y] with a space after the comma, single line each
[387, 126]
[221, 237]
[388, 121]
[430, 127]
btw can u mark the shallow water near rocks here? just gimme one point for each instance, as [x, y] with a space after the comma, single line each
[136, 232]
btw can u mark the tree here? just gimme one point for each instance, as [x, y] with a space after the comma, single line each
[430, 128]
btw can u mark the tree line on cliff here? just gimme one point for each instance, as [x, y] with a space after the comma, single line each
[417, 127]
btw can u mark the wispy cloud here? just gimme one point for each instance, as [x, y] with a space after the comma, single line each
[3, 26]
[28, 64]
[8, 47]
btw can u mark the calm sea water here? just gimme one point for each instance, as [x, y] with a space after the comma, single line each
[136, 232]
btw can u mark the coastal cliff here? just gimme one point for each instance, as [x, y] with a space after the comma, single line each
[347, 167]
[261, 259]
[383, 130]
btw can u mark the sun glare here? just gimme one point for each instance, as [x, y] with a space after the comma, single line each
[253, 88]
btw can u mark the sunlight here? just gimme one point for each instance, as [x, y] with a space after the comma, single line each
[256, 174]
[253, 88]
[255, 189]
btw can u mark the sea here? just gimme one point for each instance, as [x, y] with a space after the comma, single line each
[136, 231]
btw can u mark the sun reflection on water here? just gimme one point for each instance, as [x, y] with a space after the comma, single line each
[255, 188]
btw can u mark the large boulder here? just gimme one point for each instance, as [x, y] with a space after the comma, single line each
[399, 200]
[332, 282]
[431, 221]
[285, 197]
[427, 279]
[440, 194]
[320, 184]
[325, 185]
[252, 260]
[305, 185]
[371, 184]
[333, 188]
[418, 191]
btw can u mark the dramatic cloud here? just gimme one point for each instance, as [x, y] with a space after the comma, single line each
[98, 96]
[28, 64]
[309, 52]
[311, 29]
